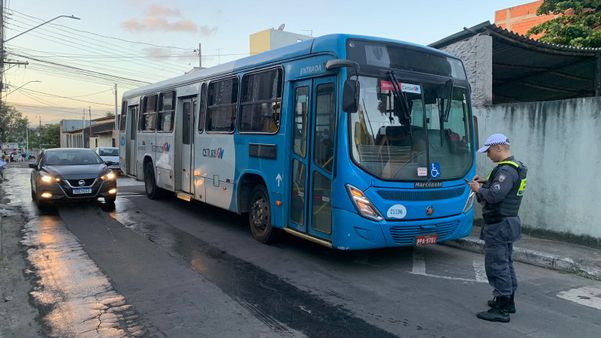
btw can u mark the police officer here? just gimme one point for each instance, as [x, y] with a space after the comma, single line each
[500, 195]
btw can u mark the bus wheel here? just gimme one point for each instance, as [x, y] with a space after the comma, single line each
[259, 215]
[152, 191]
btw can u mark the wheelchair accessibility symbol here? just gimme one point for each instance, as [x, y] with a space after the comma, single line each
[435, 169]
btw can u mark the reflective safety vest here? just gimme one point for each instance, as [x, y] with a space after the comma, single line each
[510, 205]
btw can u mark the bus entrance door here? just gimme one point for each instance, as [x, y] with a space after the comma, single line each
[312, 164]
[184, 136]
[131, 144]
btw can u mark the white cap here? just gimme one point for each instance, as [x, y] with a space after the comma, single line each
[492, 140]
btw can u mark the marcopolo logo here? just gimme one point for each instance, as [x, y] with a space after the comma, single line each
[213, 153]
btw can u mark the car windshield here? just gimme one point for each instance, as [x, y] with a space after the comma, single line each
[426, 139]
[108, 152]
[72, 157]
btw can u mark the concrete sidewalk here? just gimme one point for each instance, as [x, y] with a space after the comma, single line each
[546, 253]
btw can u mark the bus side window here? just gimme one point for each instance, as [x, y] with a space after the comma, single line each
[261, 101]
[203, 107]
[325, 126]
[221, 105]
[148, 118]
[165, 114]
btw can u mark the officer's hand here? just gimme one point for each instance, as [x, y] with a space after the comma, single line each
[474, 186]
[478, 179]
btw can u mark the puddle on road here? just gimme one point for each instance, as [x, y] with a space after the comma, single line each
[74, 297]
[271, 299]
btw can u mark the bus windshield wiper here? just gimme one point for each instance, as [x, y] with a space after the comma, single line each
[400, 97]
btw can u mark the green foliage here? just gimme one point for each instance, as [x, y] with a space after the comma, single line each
[12, 125]
[578, 23]
[46, 136]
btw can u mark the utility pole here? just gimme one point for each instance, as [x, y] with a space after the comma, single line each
[90, 134]
[83, 128]
[199, 56]
[27, 139]
[40, 132]
[115, 101]
[1, 50]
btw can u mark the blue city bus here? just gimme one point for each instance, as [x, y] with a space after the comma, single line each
[348, 141]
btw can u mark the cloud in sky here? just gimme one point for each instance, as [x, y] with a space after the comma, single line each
[160, 18]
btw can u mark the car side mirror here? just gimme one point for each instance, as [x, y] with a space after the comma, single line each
[350, 96]
[33, 165]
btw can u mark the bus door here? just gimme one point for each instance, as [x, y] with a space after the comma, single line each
[314, 130]
[184, 144]
[130, 137]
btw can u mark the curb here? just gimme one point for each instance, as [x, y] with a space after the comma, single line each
[536, 258]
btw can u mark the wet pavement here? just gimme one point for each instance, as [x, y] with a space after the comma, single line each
[171, 268]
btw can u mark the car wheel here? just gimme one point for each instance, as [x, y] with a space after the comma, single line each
[259, 215]
[152, 191]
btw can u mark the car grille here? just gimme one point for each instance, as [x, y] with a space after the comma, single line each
[421, 195]
[406, 234]
[75, 183]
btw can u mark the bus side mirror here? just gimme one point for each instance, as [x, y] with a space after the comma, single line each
[33, 165]
[476, 136]
[350, 96]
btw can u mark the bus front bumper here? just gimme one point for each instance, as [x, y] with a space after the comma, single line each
[354, 232]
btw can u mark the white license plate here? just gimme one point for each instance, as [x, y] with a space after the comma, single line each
[82, 191]
[426, 240]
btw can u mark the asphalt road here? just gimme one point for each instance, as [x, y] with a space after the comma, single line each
[179, 269]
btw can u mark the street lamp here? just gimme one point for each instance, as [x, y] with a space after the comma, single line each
[43, 23]
[21, 86]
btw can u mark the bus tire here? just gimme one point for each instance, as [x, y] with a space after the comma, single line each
[152, 191]
[259, 215]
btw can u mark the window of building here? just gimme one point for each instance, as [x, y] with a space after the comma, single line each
[148, 118]
[260, 102]
[221, 105]
[166, 112]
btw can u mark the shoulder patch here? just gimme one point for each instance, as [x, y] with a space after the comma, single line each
[502, 178]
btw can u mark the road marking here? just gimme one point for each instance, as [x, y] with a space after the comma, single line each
[419, 268]
[480, 272]
[588, 296]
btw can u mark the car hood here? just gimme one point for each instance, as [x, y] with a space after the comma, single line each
[76, 171]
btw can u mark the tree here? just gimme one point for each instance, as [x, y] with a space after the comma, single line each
[578, 23]
[49, 137]
[12, 125]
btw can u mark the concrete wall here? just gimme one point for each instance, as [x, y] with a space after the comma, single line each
[476, 54]
[560, 142]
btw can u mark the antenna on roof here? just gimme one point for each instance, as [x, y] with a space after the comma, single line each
[281, 28]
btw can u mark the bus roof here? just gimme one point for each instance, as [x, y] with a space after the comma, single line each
[332, 44]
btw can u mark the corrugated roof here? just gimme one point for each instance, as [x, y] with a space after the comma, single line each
[529, 70]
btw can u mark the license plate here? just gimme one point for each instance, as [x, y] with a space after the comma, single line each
[426, 240]
[82, 191]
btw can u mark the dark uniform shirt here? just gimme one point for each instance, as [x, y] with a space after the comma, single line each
[498, 186]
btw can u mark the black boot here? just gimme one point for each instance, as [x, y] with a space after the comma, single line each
[499, 313]
[511, 307]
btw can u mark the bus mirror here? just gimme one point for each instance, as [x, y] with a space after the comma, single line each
[350, 96]
[476, 136]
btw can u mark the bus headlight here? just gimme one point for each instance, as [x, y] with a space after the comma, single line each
[363, 205]
[108, 176]
[470, 202]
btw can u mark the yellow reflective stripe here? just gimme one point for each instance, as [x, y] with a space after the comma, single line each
[488, 177]
[509, 162]
[522, 187]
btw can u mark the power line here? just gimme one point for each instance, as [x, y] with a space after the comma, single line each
[81, 69]
[104, 36]
[63, 97]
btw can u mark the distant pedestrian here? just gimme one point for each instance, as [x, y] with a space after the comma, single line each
[500, 195]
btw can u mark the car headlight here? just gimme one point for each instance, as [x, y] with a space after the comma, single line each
[108, 176]
[47, 178]
[470, 202]
[363, 205]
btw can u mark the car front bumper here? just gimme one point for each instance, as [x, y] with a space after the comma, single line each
[63, 191]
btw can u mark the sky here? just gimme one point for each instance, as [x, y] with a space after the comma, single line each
[134, 42]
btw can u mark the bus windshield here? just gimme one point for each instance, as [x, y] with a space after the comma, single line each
[425, 139]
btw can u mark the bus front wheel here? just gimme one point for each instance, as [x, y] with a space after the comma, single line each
[152, 191]
[259, 215]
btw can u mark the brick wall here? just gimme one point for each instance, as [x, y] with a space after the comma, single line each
[520, 19]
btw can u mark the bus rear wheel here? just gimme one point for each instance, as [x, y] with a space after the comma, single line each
[259, 215]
